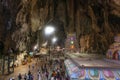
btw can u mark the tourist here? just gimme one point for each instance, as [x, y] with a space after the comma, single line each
[12, 78]
[58, 75]
[52, 78]
[42, 68]
[47, 74]
[29, 67]
[29, 73]
[54, 74]
[25, 77]
[31, 77]
[32, 66]
[39, 76]
[19, 77]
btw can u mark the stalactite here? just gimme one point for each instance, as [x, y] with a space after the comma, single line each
[94, 20]
[76, 16]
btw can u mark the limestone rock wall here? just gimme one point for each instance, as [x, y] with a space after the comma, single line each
[20, 21]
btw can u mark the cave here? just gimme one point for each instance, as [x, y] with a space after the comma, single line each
[86, 27]
[94, 19]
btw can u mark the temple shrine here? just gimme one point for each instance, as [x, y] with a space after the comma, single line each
[114, 50]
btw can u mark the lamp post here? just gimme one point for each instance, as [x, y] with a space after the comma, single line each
[48, 32]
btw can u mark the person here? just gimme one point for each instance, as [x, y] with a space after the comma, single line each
[58, 75]
[32, 66]
[19, 77]
[67, 79]
[58, 70]
[60, 65]
[62, 73]
[31, 77]
[54, 74]
[52, 78]
[45, 67]
[29, 72]
[47, 74]
[42, 69]
[13, 78]
[25, 77]
[29, 67]
[39, 76]
[10, 79]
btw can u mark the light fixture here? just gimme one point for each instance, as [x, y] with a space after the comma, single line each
[49, 30]
[54, 39]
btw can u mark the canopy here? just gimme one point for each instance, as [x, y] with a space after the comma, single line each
[75, 75]
[72, 69]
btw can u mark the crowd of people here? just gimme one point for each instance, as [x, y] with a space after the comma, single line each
[58, 70]
[29, 75]
[46, 70]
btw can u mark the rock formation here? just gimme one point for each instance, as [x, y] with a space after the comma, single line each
[94, 21]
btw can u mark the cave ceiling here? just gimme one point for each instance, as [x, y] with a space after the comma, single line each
[22, 20]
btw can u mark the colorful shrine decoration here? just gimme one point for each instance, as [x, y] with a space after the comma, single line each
[116, 75]
[118, 72]
[71, 42]
[101, 75]
[94, 72]
[87, 76]
[108, 73]
[81, 73]
[114, 50]
[72, 70]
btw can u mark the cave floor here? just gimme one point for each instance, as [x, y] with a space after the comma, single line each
[22, 69]
[38, 62]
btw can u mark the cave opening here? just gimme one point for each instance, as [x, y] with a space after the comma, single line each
[59, 32]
